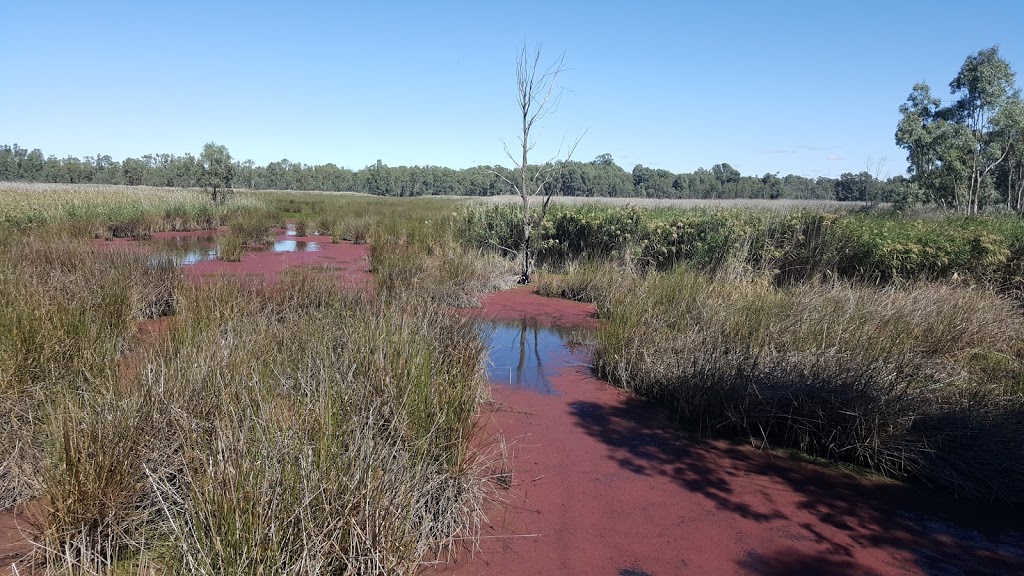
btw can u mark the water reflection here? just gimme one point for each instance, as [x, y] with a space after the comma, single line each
[527, 355]
[189, 250]
[295, 246]
[185, 250]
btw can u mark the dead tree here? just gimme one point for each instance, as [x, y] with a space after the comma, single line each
[538, 97]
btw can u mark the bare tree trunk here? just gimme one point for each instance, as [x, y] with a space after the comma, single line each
[1020, 189]
[524, 190]
[538, 96]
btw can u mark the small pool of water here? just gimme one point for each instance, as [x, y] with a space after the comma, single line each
[295, 246]
[190, 250]
[526, 355]
[184, 250]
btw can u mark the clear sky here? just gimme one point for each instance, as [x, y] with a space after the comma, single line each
[808, 88]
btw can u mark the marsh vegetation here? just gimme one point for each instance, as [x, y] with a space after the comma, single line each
[298, 426]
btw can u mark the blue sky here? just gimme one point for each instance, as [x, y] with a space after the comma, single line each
[808, 88]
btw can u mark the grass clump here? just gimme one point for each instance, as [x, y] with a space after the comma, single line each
[69, 317]
[336, 435]
[230, 248]
[423, 258]
[921, 382]
[266, 429]
[254, 227]
[597, 281]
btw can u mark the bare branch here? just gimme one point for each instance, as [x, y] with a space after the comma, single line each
[505, 179]
[538, 96]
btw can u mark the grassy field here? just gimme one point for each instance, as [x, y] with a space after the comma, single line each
[300, 427]
[295, 428]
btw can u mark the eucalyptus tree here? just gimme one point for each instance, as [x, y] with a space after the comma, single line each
[1010, 124]
[217, 170]
[953, 150]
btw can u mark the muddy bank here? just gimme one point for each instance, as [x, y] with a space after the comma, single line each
[603, 484]
[13, 544]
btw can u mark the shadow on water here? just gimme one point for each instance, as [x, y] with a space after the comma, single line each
[526, 355]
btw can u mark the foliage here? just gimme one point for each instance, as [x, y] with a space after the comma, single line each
[803, 244]
[923, 381]
[959, 151]
[599, 178]
[217, 170]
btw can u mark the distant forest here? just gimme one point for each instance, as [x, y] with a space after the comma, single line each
[600, 177]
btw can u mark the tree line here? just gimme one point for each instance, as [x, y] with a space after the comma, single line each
[601, 177]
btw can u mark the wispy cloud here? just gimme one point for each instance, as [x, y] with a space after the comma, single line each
[835, 157]
[812, 148]
[778, 151]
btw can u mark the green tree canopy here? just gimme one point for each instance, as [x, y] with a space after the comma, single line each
[216, 169]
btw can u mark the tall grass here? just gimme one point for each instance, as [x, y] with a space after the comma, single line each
[336, 437]
[294, 428]
[69, 312]
[923, 381]
[427, 256]
[114, 211]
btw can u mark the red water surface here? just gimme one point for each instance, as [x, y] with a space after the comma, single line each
[350, 263]
[522, 302]
[603, 484]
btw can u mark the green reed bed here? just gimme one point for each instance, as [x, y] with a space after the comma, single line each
[115, 211]
[786, 246]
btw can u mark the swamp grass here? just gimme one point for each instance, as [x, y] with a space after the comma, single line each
[923, 381]
[885, 340]
[794, 246]
[296, 428]
[102, 211]
[415, 245]
[300, 428]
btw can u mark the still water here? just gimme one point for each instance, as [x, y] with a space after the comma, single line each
[527, 355]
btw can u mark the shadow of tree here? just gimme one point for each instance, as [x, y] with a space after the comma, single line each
[792, 562]
[943, 536]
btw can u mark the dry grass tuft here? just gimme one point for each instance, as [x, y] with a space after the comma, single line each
[922, 381]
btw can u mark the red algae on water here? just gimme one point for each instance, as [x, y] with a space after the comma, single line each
[604, 484]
